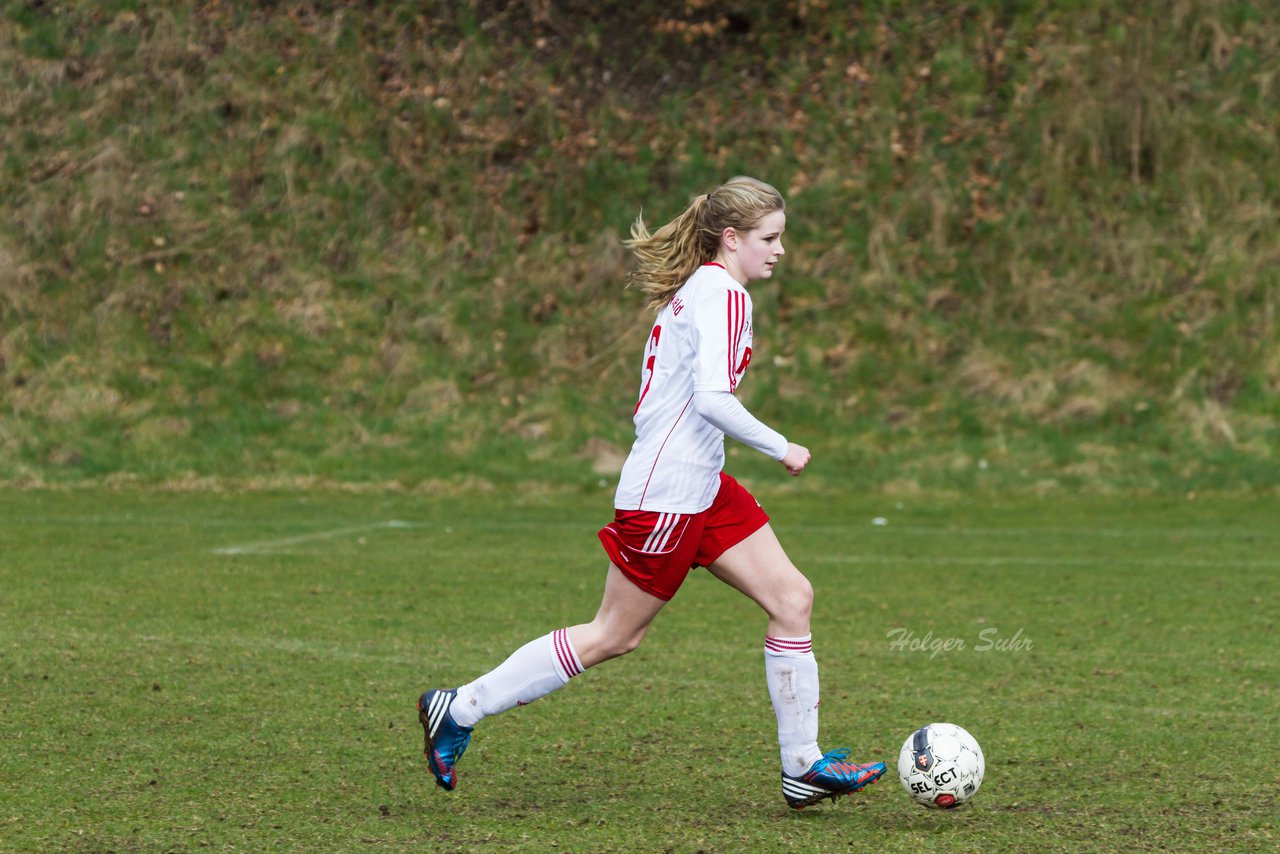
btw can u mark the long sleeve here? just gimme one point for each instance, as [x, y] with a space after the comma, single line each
[726, 413]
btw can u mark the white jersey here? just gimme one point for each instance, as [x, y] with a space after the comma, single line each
[701, 341]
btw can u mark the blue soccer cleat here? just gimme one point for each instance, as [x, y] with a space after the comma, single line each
[830, 777]
[446, 741]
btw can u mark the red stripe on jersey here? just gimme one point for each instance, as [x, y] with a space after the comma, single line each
[737, 323]
[658, 455]
[742, 331]
[731, 337]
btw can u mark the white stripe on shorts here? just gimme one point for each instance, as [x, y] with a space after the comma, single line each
[657, 541]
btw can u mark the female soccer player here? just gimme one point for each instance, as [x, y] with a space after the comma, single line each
[675, 508]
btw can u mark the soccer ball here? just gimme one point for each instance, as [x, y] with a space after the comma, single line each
[941, 766]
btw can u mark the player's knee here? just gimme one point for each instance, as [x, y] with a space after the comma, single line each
[796, 600]
[614, 643]
[626, 643]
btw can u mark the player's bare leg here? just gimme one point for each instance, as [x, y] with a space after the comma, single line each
[619, 625]
[759, 568]
[536, 669]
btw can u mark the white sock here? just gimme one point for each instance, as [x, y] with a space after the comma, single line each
[532, 671]
[791, 672]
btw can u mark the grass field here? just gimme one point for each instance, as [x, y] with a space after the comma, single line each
[364, 261]
[238, 671]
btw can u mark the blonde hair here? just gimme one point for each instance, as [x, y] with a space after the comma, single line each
[669, 256]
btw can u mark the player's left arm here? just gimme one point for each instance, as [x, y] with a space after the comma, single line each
[727, 414]
[722, 331]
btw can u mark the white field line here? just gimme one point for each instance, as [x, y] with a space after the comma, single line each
[292, 646]
[1046, 561]
[1082, 532]
[863, 527]
[267, 546]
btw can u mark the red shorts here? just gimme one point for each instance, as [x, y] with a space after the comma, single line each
[657, 550]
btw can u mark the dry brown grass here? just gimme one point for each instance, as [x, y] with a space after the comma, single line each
[411, 222]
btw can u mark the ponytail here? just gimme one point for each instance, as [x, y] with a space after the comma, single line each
[666, 258]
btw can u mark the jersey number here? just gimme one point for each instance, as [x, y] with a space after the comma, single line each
[651, 356]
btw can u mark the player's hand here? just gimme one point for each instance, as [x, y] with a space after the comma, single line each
[796, 459]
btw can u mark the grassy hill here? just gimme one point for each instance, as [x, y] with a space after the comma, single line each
[1030, 246]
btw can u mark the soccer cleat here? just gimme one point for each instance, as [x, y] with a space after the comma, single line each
[446, 741]
[830, 777]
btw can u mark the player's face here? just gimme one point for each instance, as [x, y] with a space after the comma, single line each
[760, 248]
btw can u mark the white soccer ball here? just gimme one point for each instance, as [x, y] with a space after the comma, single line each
[941, 766]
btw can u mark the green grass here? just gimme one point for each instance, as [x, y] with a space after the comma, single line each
[290, 239]
[238, 670]
[366, 266]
